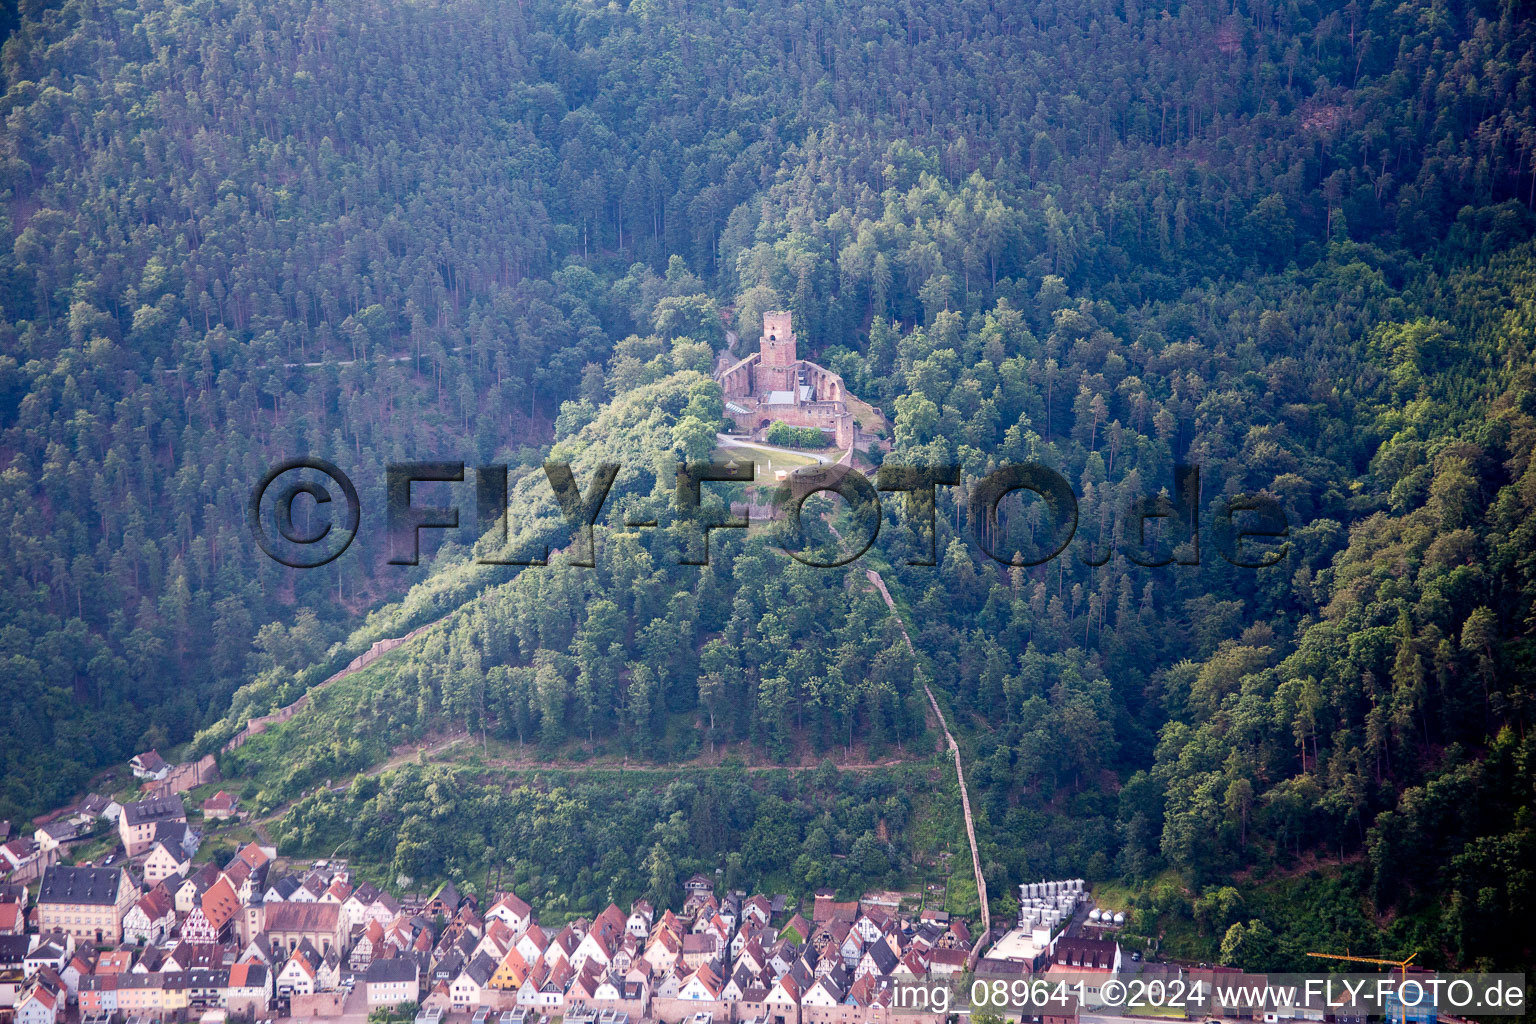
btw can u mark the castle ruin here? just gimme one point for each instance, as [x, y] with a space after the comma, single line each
[773, 385]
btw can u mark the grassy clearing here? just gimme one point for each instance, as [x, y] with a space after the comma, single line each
[870, 421]
[767, 461]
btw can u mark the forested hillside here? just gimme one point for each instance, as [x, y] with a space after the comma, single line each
[1287, 242]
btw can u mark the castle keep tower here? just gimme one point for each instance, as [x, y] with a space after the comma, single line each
[778, 344]
[777, 368]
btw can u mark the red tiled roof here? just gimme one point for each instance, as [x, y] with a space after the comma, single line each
[220, 903]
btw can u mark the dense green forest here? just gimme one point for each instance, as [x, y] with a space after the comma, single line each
[576, 843]
[1288, 242]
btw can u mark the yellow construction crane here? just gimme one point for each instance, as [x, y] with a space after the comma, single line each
[1401, 965]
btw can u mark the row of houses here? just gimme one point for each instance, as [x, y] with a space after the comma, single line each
[216, 937]
[41, 974]
[731, 958]
[178, 939]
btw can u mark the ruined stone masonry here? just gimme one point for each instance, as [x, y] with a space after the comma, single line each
[773, 385]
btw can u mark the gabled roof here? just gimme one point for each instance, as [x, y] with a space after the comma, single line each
[929, 934]
[200, 879]
[237, 871]
[948, 957]
[258, 949]
[499, 934]
[584, 985]
[307, 948]
[47, 951]
[611, 921]
[303, 917]
[156, 903]
[515, 966]
[705, 975]
[302, 963]
[829, 910]
[799, 926]
[14, 949]
[512, 903]
[744, 977]
[284, 887]
[449, 965]
[480, 970]
[882, 957]
[392, 969]
[149, 761]
[190, 955]
[251, 974]
[567, 940]
[447, 895]
[172, 832]
[220, 904]
[61, 828]
[835, 929]
[1083, 952]
[539, 974]
[43, 994]
[159, 808]
[114, 961]
[698, 942]
[833, 986]
[559, 975]
[172, 849]
[789, 985]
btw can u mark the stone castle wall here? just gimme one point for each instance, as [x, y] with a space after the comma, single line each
[777, 367]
